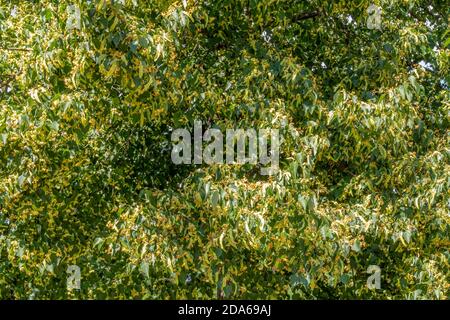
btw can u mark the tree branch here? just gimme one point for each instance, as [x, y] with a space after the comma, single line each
[307, 15]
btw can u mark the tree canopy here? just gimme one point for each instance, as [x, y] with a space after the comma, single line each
[90, 92]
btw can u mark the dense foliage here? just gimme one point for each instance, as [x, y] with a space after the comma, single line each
[86, 113]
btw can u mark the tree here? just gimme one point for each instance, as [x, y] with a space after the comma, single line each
[91, 91]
